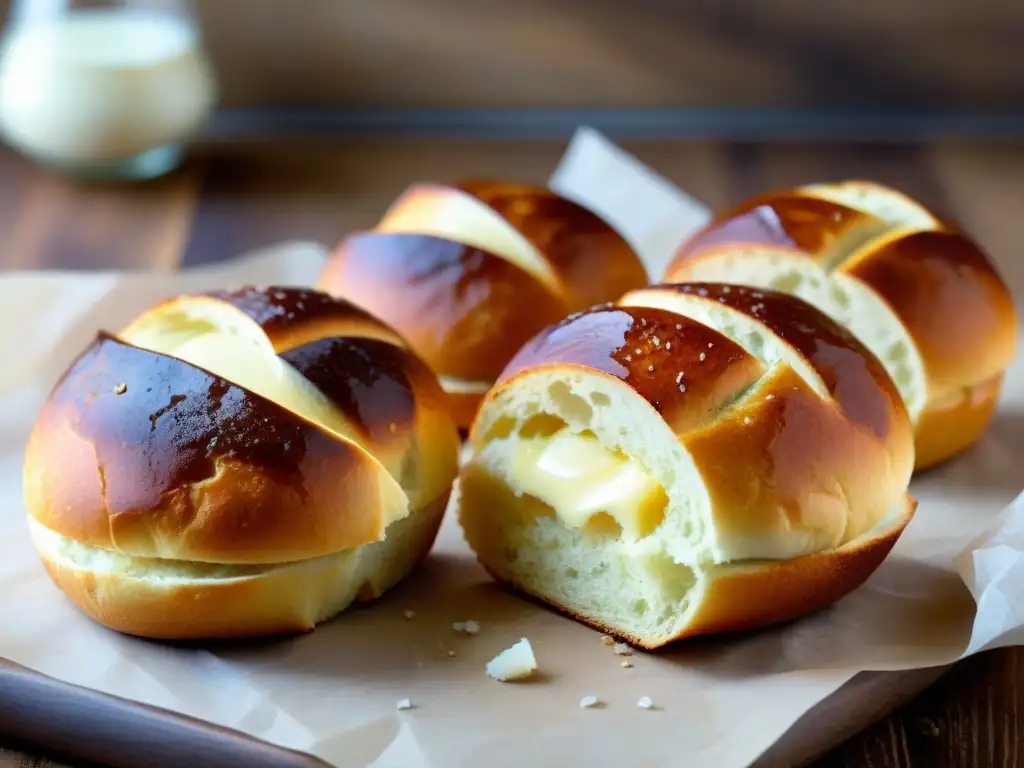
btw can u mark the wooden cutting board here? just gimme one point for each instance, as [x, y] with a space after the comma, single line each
[115, 732]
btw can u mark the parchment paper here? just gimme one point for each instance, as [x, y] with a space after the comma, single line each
[333, 693]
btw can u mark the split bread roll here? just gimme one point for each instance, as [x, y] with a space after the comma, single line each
[238, 464]
[918, 292]
[696, 459]
[469, 272]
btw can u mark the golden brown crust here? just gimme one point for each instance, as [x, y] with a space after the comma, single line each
[145, 454]
[788, 219]
[791, 465]
[943, 288]
[593, 261]
[948, 427]
[780, 457]
[294, 316]
[396, 403]
[766, 594]
[684, 369]
[281, 601]
[854, 378]
[466, 311]
[950, 299]
[783, 460]
[828, 466]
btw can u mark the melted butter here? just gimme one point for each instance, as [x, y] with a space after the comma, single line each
[588, 486]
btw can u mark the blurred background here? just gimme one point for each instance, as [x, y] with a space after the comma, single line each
[310, 117]
[874, 59]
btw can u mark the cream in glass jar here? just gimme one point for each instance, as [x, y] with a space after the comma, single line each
[110, 91]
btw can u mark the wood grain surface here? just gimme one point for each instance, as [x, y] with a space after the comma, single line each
[946, 54]
[231, 198]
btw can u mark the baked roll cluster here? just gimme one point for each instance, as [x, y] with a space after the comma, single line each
[692, 459]
[920, 294]
[238, 464]
[724, 451]
[469, 272]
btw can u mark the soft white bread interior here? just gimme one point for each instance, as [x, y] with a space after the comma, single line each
[238, 464]
[920, 294]
[468, 272]
[696, 459]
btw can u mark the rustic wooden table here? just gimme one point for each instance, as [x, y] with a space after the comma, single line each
[236, 197]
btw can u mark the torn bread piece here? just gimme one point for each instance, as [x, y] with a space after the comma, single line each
[696, 459]
[515, 663]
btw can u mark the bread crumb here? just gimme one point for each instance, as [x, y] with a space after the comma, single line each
[403, 704]
[120, 389]
[607, 640]
[515, 663]
[589, 701]
[746, 419]
[621, 649]
[410, 614]
[626, 664]
[645, 702]
[467, 627]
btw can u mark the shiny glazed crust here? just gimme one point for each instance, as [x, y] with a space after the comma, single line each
[771, 458]
[143, 454]
[937, 281]
[820, 446]
[466, 309]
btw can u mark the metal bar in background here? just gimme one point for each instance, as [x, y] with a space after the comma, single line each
[718, 124]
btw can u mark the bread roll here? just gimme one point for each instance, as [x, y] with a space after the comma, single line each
[238, 464]
[469, 272]
[917, 291]
[696, 459]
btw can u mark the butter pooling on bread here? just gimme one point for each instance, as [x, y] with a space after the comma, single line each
[694, 459]
[468, 272]
[238, 463]
[916, 290]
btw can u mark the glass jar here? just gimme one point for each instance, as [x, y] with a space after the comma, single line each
[103, 89]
